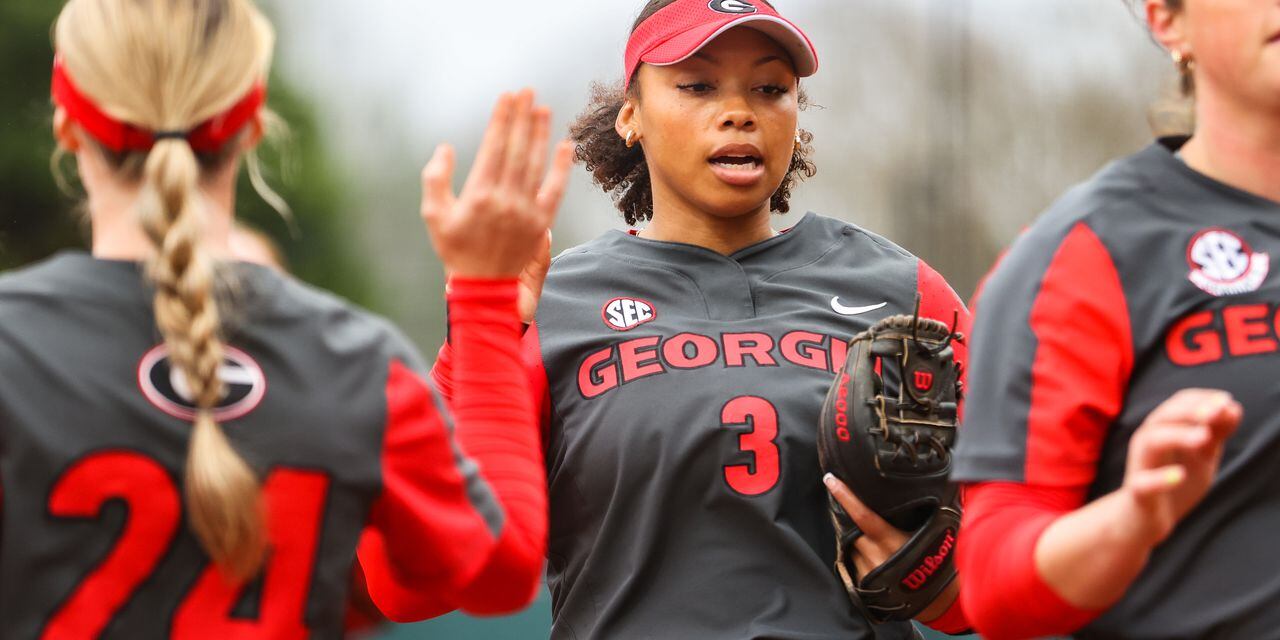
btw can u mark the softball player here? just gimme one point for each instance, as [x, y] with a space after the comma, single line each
[192, 448]
[1113, 494]
[680, 369]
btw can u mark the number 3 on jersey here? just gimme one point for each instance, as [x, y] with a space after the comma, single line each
[295, 499]
[761, 421]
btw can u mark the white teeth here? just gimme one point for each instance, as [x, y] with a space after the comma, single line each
[749, 164]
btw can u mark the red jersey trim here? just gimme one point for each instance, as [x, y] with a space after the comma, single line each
[1083, 359]
[940, 302]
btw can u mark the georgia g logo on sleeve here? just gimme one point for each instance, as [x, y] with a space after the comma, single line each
[625, 314]
[1223, 264]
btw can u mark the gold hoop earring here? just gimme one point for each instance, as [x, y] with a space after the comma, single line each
[631, 139]
[799, 143]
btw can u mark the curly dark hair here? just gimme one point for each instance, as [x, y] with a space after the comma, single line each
[623, 173]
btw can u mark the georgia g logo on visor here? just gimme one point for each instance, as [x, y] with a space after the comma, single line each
[732, 6]
[625, 314]
[1223, 264]
[243, 384]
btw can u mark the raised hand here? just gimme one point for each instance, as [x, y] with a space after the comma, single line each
[1091, 555]
[499, 223]
[1174, 456]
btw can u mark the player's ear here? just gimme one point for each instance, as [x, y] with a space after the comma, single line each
[64, 131]
[1168, 26]
[628, 122]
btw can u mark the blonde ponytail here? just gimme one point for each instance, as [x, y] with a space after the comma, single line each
[222, 491]
[167, 66]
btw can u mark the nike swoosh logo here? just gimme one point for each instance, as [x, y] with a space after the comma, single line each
[854, 311]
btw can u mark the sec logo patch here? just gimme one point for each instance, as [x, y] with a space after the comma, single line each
[243, 383]
[1223, 264]
[625, 314]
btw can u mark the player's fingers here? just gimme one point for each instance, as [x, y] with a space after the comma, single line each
[541, 133]
[1224, 419]
[516, 165]
[1160, 445]
[869, 521]
[1191, 406]
[437, 184]
[1149, 483]
[552, 191]
[493, 148]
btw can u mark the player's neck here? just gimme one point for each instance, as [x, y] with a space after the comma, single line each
[678, 222]
[118, 235]
[1236, 145]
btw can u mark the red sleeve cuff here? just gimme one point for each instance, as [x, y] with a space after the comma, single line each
[482, 302]
[953, 621]
[470, 289]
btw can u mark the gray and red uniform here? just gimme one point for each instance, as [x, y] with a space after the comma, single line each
[680, 391]
[329, 404]
[1147, 279]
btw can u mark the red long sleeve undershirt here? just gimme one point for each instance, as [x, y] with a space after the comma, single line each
[1004, 595]
[495, 425]
[530, 356]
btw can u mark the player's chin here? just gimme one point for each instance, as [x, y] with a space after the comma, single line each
[730, 201]
[730, 207]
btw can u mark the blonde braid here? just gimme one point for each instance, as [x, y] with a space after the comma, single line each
[222, 491]
[168, 65]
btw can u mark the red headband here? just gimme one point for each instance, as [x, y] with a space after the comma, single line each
[681, 28]
[118, 136]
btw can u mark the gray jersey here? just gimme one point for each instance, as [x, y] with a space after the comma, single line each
[684, 389]
[1147, 279]
[324, 401]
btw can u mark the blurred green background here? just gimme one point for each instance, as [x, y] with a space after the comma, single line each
[944, 124]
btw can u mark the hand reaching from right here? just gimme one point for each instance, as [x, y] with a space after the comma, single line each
[1091, 555]
[499, 223]
[1174, 457]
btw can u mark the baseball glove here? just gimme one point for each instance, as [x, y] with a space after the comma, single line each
[888, 427]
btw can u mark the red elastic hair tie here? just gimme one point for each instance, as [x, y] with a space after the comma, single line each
[209, 136]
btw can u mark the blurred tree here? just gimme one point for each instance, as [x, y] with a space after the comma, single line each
[961, 131]
[37, 219]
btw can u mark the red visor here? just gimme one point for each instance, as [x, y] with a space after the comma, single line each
[118, 136]
[680, 29]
